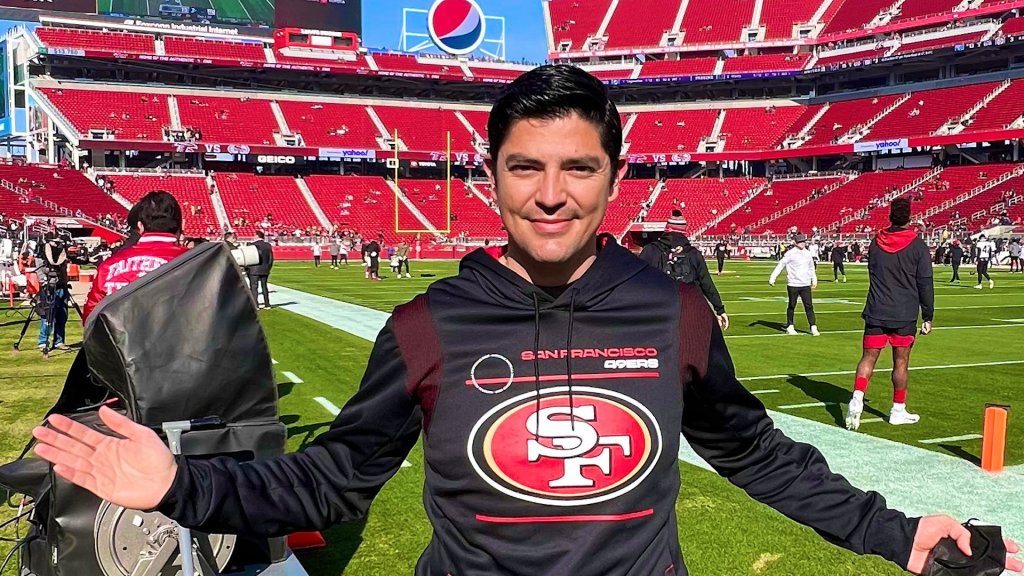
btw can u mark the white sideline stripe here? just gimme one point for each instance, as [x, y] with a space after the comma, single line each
[756, 392]
[827, 332]
[872, 420]
[807, 405]
[328, 405]
[960, 438]
[1016, 469]
[295, 379]
[914, 480]
[847, 372]
[859, 310]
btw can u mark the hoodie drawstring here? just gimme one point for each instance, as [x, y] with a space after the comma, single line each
[536, 366]
[568, 359]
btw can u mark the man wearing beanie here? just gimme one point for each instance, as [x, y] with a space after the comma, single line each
[800, 279]
[658, 253]
[900, 285]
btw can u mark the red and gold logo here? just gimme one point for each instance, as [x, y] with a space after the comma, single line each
[548, 451]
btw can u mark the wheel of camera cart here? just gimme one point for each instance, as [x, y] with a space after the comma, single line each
[127, 538]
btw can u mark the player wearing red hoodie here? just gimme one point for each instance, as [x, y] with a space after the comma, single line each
[900, 271]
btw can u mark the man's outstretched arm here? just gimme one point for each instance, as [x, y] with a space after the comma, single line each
[730, 429]
[333, 480]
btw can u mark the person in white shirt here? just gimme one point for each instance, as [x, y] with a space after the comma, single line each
[801, 279]
[317, 252]
[815, 251]
[986, 251]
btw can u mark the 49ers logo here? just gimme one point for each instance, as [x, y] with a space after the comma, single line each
[548, 452]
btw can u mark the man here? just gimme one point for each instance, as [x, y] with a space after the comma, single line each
[1015, 263]
[259, 274]
[372, 256]
[721, 253]
[899, 285]
[657, 253]
[335, 250]
[158, 228]
[52, 302]
[687, 265]
[231, 240]
[511, 487]
[986, 250]
[815, 249]
[402, 253]
[800, 280]
[317, 252]
[838, 257]
[956, 256]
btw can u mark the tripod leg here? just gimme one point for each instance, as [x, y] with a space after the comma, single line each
[24, 328]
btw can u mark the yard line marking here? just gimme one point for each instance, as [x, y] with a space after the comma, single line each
[406, 464]
[827, 332]
[756, 392]
[274, 361]
[328, 405]
[847, 372]
[872, 420]
[808, 405]
[952, 439]
[295, 379]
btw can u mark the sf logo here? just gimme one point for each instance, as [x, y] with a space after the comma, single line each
[572, 438]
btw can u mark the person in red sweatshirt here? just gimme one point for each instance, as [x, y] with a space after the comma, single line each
[900, 286]
[159, 227]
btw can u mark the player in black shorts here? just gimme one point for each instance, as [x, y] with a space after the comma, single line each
[900, 273]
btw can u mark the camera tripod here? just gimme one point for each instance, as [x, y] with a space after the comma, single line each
[46, 300]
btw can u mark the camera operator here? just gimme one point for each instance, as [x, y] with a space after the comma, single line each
[259, 274]
[52, 304]
[159, 223]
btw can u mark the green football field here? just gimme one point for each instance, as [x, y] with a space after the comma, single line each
[235, 10]
[974, 357]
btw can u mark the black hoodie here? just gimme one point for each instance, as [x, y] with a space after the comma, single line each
[900, 274]
[551, 428]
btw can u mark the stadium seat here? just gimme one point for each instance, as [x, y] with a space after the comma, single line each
[241, 120]
[97, 40]
[253, 197]
[128, 114]
[1002, 111]
[927, 111]
[935, 43]
[779, 16]
[423, 129]
[687, 66]
[781, 194]
[200, 48]
[409, 64]
[574, 21]
[758, 128]
[853, 15]
[67, 188]
[670, 131]
[700, 200]
[626, 30]
[325, 124]
[765, 63]
[707, 21]
[191, 191]
[627, 206]
[364, 204]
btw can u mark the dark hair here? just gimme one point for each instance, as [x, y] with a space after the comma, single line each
[159, 212]
[899, 212]
[259, 234]
[556, 91]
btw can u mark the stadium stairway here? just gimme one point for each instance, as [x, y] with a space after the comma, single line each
[411, 207]
[307, 194]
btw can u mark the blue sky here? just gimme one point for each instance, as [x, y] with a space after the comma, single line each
[524, 25]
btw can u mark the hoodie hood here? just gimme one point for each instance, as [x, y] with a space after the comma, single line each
[893, 240]
[614, 266]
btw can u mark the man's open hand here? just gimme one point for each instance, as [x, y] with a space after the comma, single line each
[932, 529]
[134, 471]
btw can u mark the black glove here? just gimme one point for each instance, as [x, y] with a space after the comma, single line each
[988, 554]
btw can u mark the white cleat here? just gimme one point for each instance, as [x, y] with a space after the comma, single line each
[977, 286]
[853, 413]
[991, 284]
[791, 330]
[814, 331]
[901, 417]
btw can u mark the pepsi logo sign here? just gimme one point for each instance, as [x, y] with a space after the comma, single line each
[602, 446]
[457, 26]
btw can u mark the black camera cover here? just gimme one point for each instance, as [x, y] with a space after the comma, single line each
[184, 341]
[988, 554]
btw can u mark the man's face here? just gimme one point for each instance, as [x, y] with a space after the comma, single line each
[553, 181]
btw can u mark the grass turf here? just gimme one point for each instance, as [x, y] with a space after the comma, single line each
[715, 518]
